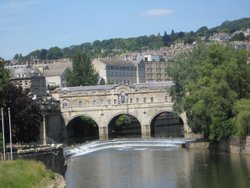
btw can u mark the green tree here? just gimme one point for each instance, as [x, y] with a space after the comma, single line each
[25, 114]
[242, 119]
[4, 77]
[123, 120]
[82, 72]
[239, 37]
[208, 82]
[54, 53]
[166, 39]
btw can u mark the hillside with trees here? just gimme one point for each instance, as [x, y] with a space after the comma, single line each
[118, 46]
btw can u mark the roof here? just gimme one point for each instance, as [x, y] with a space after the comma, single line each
[150, 85]
[18, 72]
[55, 69]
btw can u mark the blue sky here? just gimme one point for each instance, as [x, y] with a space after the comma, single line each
[27, 25]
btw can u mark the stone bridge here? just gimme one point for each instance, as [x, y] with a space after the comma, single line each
[102, 103]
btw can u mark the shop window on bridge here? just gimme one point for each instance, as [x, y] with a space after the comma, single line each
[137, 100]
[144, 100]
[131, 100]
[152, 99]
[114, 101]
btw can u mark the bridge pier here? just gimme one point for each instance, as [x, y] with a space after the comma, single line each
[145, 131]
[103, 133]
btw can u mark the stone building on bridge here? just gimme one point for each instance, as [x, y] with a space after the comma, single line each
[148, 103]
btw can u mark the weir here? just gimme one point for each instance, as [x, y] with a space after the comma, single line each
[90, 147]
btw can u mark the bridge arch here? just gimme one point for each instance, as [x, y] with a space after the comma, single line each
[81, 128]
[124, 125]
[167, 123]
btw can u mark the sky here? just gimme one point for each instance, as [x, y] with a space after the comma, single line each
[27, 25]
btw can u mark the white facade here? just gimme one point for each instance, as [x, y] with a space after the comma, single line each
[117, 71]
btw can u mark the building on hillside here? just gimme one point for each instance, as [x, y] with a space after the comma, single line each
[55, 73]
[155, 67]
[119, 71]
[28, 78]
[156, 71]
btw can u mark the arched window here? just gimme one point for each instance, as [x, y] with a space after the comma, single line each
[152, 99]
[123, 97]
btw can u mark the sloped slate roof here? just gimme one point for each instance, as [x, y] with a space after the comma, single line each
[55, 69]
[23, 72]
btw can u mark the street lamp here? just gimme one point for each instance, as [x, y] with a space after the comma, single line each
[3, 134]
[11, 154]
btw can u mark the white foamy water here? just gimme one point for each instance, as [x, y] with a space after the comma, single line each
[123, 144]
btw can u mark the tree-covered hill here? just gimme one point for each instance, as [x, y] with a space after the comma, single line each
[119, 45]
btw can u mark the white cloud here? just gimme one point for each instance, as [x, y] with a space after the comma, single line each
[17, 6]
[157, 12]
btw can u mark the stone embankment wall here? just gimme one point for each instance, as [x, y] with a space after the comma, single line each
[232, 145]
[51, 155]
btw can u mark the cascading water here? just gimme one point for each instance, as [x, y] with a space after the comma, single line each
[122, 143]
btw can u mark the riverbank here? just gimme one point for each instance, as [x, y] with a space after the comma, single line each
[23, 173]
[231, 145]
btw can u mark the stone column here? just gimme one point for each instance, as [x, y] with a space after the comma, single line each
[103, 133]
[145, 131]
[43, 135]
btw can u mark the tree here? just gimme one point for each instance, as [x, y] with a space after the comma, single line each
[166, 39]
[4, 77]
[239, 37]
[25, 114]
[54, 53]
[208, 82]
[123, 120]
[242, 119]
[82, 72]
[43, 53]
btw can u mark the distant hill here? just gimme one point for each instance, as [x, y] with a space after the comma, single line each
[232, 26]
[119, 45]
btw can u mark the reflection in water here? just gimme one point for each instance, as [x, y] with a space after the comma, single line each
[158, 167]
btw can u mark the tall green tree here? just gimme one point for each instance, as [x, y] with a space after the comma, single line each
[25, 114]
[166, 39]
[4, 77]
[208, 81]
[82, 72]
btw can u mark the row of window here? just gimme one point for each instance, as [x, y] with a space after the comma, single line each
[115, 101]
[115, 73]
[121, 81]
[120, 68]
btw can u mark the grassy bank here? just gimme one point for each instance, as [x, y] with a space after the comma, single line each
[23, 174]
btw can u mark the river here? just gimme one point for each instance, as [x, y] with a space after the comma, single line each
[155, 166]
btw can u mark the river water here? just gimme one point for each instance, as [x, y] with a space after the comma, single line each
[147, 166]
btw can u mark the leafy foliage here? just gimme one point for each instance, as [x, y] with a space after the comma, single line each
[25, 114]
[242, 119]
[123, 120]
[208, 82]
[82, 72]
[4, 76]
